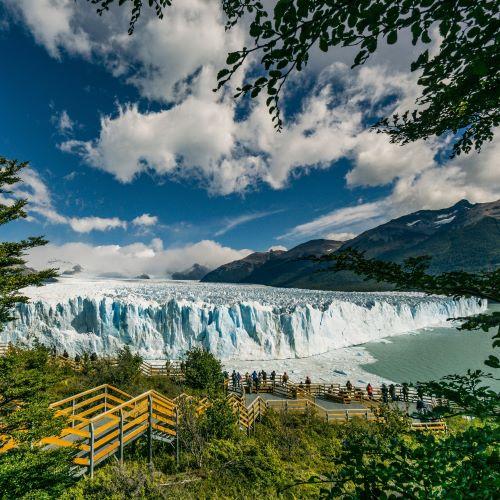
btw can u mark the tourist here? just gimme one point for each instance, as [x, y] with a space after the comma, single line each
[248, 382]
[255, 378]
[369, 391]
[348, 386]
[385, 393]
[285, 378]
[330, 389]
[406, 392]
[392, 392]
[273, 377]
[308, 384]
[420, 405]
[264, 376]
[301, 385]
[238, 379]
[420, 391]
[233, 379]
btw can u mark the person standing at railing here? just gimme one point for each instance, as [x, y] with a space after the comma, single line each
[255, 379]
[405, 390]
[348, 386]
[238, 379]
[273, 378]
[420, 391]
[233, 379]
[248, 382]
[392, 392]
[369, 391]
[385, 393]
[285, 378]
[264, 377]
[308, 384]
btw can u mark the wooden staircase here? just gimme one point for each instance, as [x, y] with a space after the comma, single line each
[105, 420]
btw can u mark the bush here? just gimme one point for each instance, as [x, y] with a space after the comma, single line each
[34, 473]
[132, 480]
[203, 370]
[126, 370]
[219, 421]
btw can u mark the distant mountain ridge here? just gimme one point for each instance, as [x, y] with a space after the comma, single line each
[465, 236]
[195, 272]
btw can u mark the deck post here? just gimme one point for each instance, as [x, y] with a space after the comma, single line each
[73, 413]
[177, 435]
[106, 398]
[150, 431]
[120, 452]
[91, 452]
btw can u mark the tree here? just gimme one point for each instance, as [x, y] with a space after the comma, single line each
[464, 393]
[459, 79]
[124, 372]
[203, 370]
[14, 275]
[27, 377]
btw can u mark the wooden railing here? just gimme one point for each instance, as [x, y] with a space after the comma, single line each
[104, 420]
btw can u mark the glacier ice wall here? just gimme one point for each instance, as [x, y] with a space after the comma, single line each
[232, 321]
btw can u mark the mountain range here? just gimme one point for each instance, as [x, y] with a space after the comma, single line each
[465, 236]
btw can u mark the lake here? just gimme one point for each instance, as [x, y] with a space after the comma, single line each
[430, 354]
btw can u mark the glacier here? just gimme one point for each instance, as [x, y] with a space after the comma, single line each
[160, 318]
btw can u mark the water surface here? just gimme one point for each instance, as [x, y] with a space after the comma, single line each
[430, 354]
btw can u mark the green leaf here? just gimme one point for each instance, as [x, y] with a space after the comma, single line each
[222, 73]
[233, 57]
[392, 37]
[323, 44]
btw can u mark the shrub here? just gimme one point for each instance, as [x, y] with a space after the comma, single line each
[203, 370]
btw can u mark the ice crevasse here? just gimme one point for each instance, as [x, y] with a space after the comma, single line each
[232, 321]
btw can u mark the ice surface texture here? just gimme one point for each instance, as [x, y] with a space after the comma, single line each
[232, 321]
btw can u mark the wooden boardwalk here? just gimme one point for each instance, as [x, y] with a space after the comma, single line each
[104, 420]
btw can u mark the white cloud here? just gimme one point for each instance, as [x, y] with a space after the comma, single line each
[340, 236]
[232, 222]
[87, 224]
[34, 189]
[366, 214]
[146, 220]
[53, 24]
[276, 248]
[63, 122]
[162, 59]
[199, 136]
[136, 258]
[474, 177]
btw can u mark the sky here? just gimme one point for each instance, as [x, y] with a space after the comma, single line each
[137, 166]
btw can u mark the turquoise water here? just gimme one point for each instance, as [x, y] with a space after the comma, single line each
[431, 354]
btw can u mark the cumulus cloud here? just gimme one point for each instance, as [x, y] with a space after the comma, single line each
[145, 220]
[137, 258]
[87, 224]
[199, 135]
[53, 25]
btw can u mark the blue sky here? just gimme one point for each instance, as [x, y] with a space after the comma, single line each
[138, 167]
